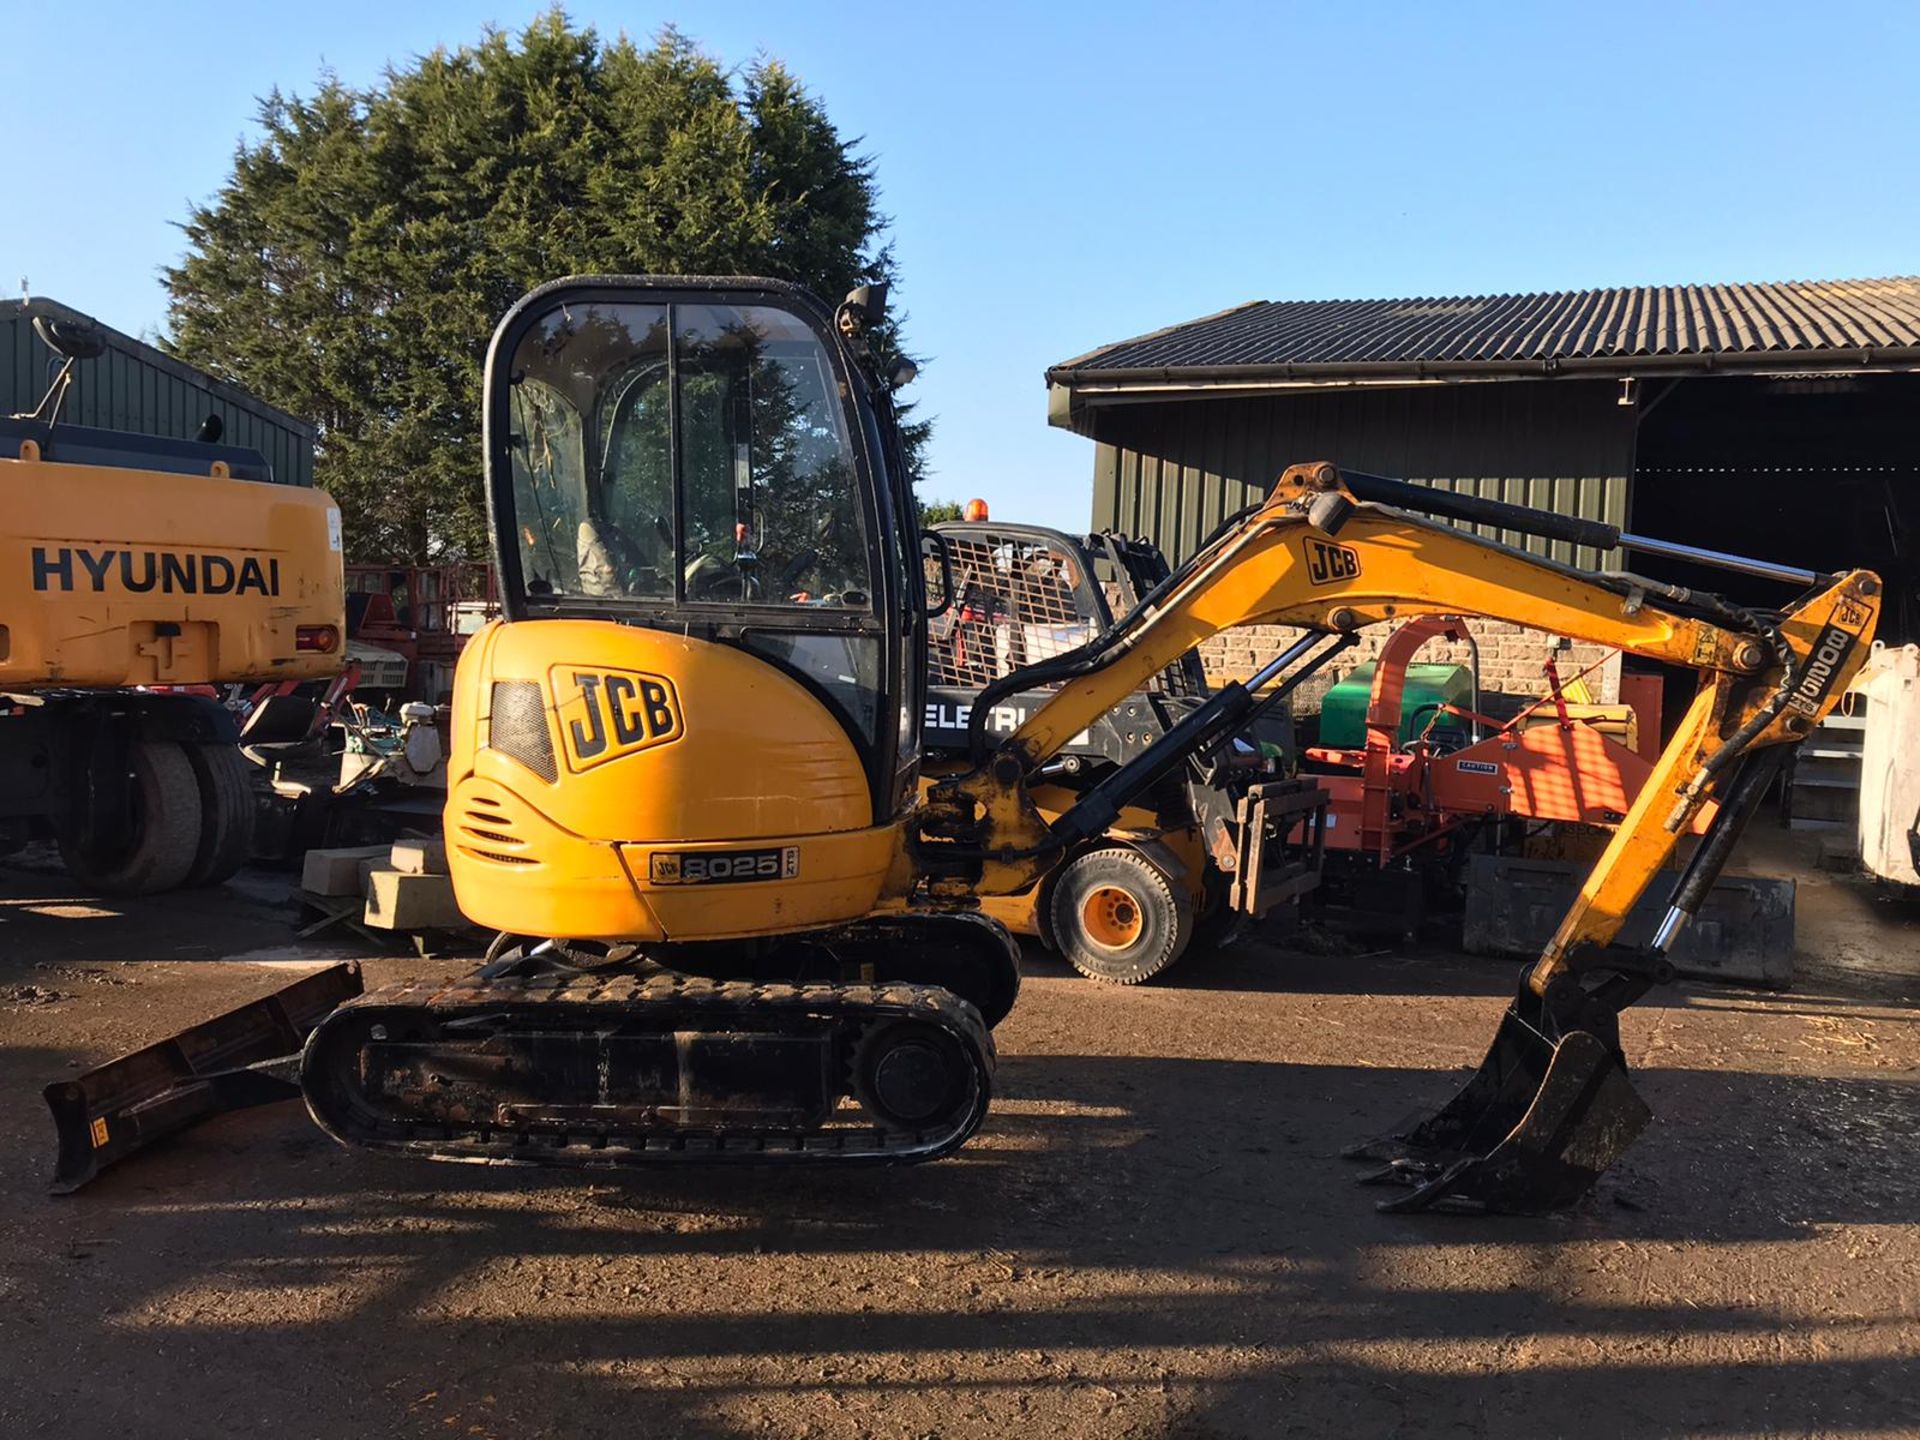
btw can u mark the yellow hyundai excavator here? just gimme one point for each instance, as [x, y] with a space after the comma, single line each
[683, 784]
[134, 569]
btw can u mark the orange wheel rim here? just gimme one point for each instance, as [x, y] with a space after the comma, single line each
[1111, 918]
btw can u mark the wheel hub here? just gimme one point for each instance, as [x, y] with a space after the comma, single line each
[1112, 918]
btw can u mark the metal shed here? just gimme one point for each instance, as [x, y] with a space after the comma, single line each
[135, 387]
[1780, 419]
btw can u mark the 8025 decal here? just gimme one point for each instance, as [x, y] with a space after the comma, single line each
[723, 867]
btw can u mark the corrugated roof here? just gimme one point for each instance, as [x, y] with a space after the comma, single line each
[25, 309]
[1800, 323]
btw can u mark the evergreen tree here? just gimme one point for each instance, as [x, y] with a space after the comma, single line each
[355, 264]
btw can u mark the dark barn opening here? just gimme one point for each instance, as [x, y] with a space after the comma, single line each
[1821, 471]
[1776, 421]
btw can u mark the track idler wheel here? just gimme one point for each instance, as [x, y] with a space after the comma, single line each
[910, 1075]
[1537, 1124]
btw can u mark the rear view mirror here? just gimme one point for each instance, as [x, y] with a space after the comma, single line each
[936, 561]
[70, 339]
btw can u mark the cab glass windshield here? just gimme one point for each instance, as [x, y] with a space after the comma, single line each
[683, 454]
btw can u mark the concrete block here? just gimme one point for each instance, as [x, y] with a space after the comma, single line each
[336, 872]
[1840, 851]
[420, 857]
[398, 901]
[1743, 934]
[371, 864]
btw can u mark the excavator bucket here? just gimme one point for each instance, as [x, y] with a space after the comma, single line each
[1530, 1132]
[248, 1056]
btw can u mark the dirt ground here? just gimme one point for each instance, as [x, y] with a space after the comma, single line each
[1151, 1236]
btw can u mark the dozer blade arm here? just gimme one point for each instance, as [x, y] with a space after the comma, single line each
[1543, 1117]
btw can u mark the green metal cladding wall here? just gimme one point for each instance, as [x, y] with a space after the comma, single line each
[135, 387]
[1171, 471]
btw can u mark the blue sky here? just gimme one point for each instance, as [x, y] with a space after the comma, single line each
[1066, 175]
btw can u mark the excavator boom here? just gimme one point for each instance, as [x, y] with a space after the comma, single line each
[1551, 1106]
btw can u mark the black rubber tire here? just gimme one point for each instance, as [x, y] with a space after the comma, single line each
[1165, 919]
[988, 980]
[226, 812]
[166, 828]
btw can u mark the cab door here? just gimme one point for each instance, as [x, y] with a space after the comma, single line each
[711, 458]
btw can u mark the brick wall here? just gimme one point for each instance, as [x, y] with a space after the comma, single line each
[1512, 658]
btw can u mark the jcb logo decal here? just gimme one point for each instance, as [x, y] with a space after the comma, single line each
[1328, 563]
[605, 714]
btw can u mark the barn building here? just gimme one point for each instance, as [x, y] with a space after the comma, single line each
[132, 386]
[1775, 420]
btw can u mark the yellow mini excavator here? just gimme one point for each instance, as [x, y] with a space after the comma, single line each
[683, 785]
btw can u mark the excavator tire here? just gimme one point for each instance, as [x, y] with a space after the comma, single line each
[166, 828]
[226, 812]
[1117, 918]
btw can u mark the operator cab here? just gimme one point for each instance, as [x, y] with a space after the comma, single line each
[719, 461]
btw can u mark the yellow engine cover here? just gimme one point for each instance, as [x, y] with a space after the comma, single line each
[609, 782]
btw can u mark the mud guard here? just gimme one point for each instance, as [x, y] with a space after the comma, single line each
[248, 1056]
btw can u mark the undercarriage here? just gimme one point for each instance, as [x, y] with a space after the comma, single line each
[602, 1070]
[865, 1042]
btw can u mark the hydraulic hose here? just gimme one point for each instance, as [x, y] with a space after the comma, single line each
[1405, 495]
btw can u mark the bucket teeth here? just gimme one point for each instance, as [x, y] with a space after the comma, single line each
[1537, 1124]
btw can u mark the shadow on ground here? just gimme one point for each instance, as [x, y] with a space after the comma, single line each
[1135, 1246]
[1153, 1235]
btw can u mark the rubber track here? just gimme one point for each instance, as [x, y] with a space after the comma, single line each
[673, 1000]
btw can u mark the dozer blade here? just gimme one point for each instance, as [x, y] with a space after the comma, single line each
[248, 1056]
[1530, 1132]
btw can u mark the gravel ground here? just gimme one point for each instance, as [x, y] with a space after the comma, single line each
[1151, 1236]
